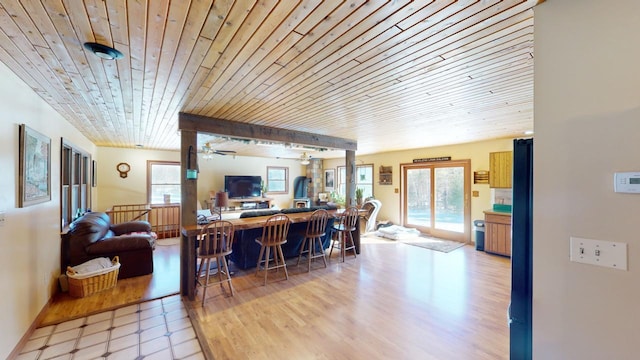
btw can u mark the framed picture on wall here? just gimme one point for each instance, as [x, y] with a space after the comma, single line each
[34, 169]
[329, 179]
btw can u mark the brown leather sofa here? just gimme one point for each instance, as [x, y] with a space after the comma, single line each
[92, 235]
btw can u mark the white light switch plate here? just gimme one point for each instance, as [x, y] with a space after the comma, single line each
[598, 252]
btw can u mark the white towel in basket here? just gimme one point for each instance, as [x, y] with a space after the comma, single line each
[92, 267]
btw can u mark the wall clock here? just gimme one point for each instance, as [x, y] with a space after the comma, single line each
[123, 168]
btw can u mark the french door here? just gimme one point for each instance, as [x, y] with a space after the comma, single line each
[435, 198]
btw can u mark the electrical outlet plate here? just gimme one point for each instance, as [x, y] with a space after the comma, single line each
[598, 252]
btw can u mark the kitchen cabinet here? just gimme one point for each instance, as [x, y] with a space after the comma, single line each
[497, 233]
[500, 169]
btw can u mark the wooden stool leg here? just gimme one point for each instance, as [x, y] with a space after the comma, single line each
[266, 266]
[284, 264]
[353, 245]
[324, 259]
[343, 243]
[206, 282]
[219, 271]
[260, 258]
[226, 270]
[276, 259]
[305, 243]
[333, 243]
[312, 252]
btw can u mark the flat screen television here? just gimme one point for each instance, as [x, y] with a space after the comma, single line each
[242, 186]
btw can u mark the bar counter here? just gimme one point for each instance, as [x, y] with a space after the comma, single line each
[190, 232]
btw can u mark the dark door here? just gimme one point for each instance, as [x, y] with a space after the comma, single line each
[521, 250]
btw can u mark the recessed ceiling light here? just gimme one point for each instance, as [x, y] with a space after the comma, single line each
[528, 132]
[103, 51]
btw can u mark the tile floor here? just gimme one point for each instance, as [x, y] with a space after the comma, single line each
[157, 329]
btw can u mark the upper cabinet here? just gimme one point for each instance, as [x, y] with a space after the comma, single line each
[500, 169]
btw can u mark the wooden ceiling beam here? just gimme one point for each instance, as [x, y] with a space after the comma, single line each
[210, 125]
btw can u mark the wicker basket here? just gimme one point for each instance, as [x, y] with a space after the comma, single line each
[81, 285]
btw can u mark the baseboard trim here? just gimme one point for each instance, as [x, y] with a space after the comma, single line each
[34, 325]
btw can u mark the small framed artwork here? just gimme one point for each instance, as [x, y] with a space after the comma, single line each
[329, 179]
[323, 197]
[34, 169]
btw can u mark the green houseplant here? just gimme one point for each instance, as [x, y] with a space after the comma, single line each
[338, 199]
[359, 194]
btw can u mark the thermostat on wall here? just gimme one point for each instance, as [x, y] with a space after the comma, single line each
[626, 182]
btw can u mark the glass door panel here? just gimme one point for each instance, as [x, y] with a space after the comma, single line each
[436, 199]
[449, 199]
[418, 204]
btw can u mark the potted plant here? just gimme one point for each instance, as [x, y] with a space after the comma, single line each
[263, 189]
[337, 199]
[359, 194]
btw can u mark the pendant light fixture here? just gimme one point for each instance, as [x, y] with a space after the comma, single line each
[305, 159]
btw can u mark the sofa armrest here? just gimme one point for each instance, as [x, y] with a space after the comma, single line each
[121, 243]
[131, 226]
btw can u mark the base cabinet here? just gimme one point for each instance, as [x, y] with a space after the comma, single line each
[497, 234]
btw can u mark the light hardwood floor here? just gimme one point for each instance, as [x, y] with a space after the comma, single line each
[164, 281]
[395, 301]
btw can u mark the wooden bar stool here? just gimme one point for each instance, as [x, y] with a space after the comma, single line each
[215, 242]
[344, 240]
[316, 229]
[274, 234]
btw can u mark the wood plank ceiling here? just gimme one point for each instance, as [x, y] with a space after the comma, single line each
[390, 74]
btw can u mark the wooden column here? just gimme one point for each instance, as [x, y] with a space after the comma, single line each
[189, 198]
[350, 191]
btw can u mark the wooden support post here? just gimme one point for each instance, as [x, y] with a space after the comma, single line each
[350, 191]
[189, 191]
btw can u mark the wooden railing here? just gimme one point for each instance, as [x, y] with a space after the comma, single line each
[164, 219]
[123, 213]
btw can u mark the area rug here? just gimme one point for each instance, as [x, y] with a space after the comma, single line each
[423, 241]
[434, 244]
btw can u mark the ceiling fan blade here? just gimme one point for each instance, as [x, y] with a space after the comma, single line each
[223, 152]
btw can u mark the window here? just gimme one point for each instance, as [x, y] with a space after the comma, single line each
[363, 178]
[163, 182]
[75, 192]
[277, 180]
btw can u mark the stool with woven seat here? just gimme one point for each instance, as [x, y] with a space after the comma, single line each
[274, 234]
[312, 242]
[342, 230]
[215, 243]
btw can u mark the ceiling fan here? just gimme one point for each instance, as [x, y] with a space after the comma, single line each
[305, 159]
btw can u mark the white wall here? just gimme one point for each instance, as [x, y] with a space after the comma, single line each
[30, 237]
[477, 152]
[587, 126]
[114, 190]
[212, 172]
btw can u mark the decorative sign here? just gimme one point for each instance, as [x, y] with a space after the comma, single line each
[441, 158]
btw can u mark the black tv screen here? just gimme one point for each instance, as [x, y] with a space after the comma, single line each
[242, 186]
